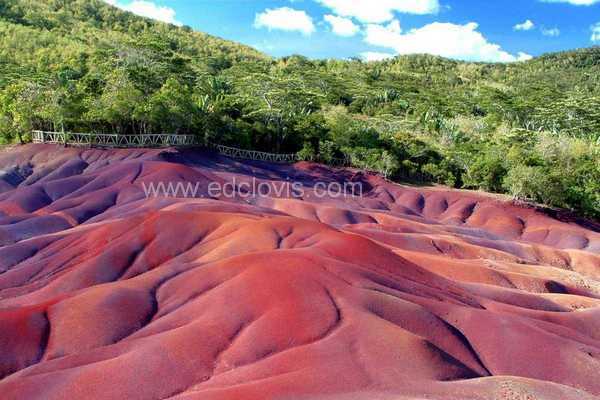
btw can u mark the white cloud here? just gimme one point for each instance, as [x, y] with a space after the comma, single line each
[595, 32]
[378, 11]
[552, 32]
[525, 26]
[375, 56]
[384, 35]
[285, 19]
[342, 26]
[523, 56]
[462, 42]
[573, 2]
[148, 9]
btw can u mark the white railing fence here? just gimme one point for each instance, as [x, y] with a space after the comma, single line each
[113, 140]
[158, 140]
[234, 152]
[167, 140]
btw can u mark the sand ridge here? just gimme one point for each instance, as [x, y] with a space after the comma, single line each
[401, 293]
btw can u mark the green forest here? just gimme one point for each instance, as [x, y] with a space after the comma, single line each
[529, 129]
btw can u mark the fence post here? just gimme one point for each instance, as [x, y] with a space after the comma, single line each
[113, 140]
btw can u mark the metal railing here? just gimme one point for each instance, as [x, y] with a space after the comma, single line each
[167, 140]
[113, 140]
[158, 140]
[234, 152]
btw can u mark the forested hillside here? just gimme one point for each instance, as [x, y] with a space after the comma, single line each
[528, 129]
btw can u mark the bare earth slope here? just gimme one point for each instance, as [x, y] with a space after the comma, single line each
[403, 293]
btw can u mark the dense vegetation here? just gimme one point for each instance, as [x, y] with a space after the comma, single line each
[528, 129]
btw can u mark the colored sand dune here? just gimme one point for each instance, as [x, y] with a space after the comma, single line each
[401, 293]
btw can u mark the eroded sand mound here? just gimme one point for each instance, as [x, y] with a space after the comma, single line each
[400, 293]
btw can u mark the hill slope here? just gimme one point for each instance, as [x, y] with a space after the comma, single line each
[529, 129]
[401, 293]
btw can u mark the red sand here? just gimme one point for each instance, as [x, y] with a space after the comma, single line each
[404, 293]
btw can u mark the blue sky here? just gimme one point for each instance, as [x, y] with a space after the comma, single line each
[478, 30]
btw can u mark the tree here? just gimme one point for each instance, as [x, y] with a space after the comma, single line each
[118, 103]
[278, 102]
[19, 104]
[172, 109]
[486, 171]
